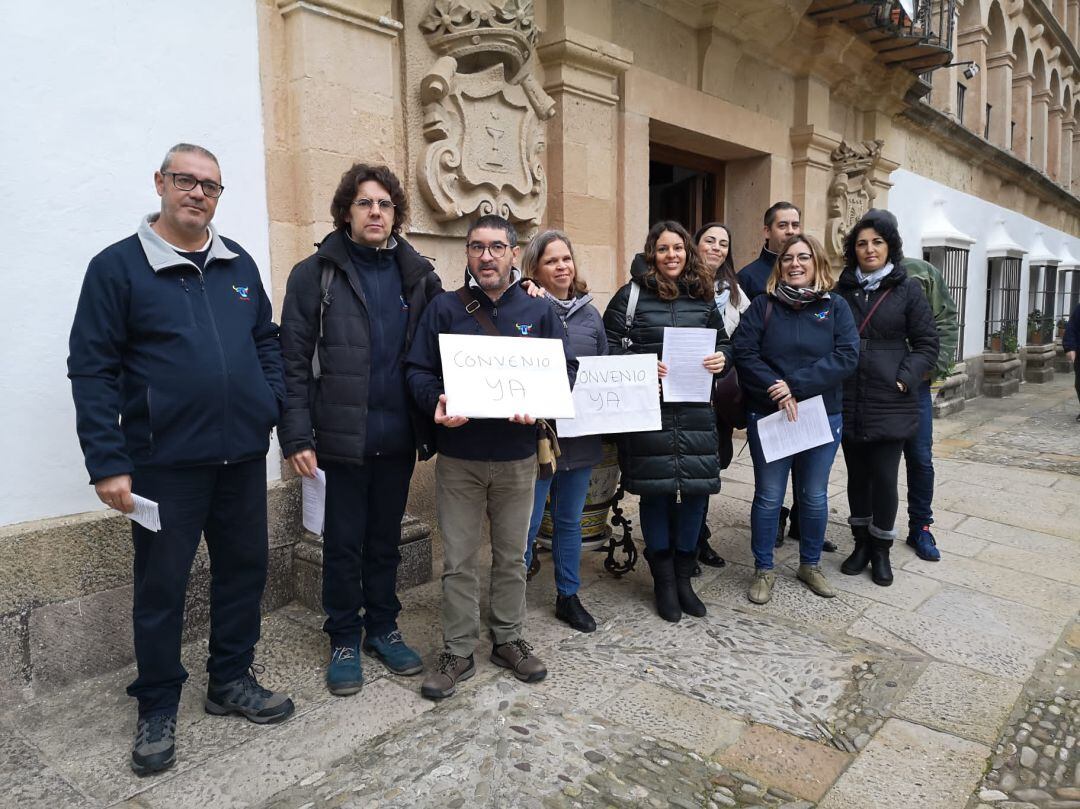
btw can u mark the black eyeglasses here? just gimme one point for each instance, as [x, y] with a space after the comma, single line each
[185, 182]
[365, 204]
[802, 258]
[476, 249]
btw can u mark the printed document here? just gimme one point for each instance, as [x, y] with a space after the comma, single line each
[314, 491]
[685, 350]
[145, 514]
[781, 438]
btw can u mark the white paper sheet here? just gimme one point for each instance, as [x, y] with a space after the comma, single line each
[685, 350]
[314, 494]
[616, 394]
[781, 438]
[146, 513]
[499, 377]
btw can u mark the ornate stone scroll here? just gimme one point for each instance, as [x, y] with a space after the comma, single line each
[482, 112]
[851, 193]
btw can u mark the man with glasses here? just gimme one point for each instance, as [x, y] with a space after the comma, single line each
[354, 306]
[485, 466]
[175, 370]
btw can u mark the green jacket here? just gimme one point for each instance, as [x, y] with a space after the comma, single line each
[944, 309]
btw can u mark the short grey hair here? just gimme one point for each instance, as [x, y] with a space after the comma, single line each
[187, 148]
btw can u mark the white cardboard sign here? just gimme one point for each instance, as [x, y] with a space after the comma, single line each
[499, 377]
[617, 394]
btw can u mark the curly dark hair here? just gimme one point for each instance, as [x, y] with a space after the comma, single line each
[886, 228]
[695, 275]
[345, 194]
[727, 267]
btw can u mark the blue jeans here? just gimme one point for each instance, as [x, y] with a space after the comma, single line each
[661, 517]
[568, 490]
[811, 469]
[919, 458]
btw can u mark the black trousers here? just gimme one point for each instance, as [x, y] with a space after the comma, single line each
[228, 504]
[1076, 375]
[361, 539]
[872, 469]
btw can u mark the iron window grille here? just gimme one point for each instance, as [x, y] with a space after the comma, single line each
[1042, 291]
[1002, 304]
[952, 262]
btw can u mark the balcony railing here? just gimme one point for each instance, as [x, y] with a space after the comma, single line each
[913, 34]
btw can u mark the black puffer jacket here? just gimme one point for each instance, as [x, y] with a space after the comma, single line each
[329, 414]
[681, 457]
[900, 343]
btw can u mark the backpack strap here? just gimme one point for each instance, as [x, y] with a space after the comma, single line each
[473, 307]
[870, 314]
[768, 314]
[631, 309]
[326, 298]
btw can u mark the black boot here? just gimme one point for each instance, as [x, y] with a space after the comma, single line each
[662, 565]
[793, 523]
[860, 557]
[880, 569]
[688, 600]
[781, 528]
[706, 555]
[569, 609]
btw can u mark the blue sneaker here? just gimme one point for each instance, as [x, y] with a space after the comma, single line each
[393, 652]
[923, 543]
[344, 674]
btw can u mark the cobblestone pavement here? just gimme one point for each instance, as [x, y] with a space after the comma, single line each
[957, 687]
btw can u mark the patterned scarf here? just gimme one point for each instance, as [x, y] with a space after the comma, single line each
[872, 281]
[798, 297]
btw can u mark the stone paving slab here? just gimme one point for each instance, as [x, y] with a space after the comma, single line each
[26, 780]
[908, 766]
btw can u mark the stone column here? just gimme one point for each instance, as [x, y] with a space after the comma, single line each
[877, 125]
[812, 143]
[1053, 142]
[581, 74]
[999, 84]
[330, 97]
[1076, 158]
[1072, 24]
[1021, 115]
[1040, 116]
[971, 46]
[1065, 173]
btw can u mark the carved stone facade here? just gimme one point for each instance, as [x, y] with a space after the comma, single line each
[852, 191]
[483, 111]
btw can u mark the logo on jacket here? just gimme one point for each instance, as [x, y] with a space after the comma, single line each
[242, 292]
[822, 315]
[524, 329]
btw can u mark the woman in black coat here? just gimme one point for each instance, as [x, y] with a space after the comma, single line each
[898, 345]
[676, 468]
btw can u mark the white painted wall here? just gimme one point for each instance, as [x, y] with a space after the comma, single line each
[94, 94]
[911, 198]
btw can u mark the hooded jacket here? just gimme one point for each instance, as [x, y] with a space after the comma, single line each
[1071, 340]
[355, 389]
[899, 343]
[943, 307]
[514, 314]
[170, 365]
[682, 456]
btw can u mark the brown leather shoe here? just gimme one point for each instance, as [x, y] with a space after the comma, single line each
[449, 669]
[518, 656]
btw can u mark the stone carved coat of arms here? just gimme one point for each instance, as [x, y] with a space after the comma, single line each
[482, 112]
[851, 193]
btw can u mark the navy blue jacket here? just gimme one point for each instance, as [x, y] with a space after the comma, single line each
[813, 349]
[170, 366]
[479, 439]
[1071, 340]
[755, 275]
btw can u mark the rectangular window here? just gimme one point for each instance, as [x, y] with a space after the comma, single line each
[986, 126]
[1012, 134]
[961, 91]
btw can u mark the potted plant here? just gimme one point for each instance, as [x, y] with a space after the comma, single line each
[1034, 328]
[996, 342]
[1008, 338]
[1060, 328]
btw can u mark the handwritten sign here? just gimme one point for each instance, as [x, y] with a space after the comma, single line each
[614, 395]
[498, 377]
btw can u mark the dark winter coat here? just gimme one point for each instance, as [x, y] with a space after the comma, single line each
[681, 457]
[900, 343]
[585, 332]
[1071, 340]
[170, 365]
[332, 413]
[813, 349]
[514, 314]
[755, 275]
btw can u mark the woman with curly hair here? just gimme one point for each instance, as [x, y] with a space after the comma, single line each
[676, 468]
[898, 345]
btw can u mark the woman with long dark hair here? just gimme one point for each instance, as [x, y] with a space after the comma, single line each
[898, 345]
[673, 469]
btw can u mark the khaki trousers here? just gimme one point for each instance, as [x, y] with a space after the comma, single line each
[464, 492]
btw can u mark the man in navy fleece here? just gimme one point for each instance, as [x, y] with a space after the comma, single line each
[175, 370]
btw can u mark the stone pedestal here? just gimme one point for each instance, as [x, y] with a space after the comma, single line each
[949, 393]
[1061, 362]
[415, 565]
[1001, 374]
[1039, 363]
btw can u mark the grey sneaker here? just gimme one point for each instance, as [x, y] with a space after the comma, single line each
[812, 577]
[154, 748]
[245, 697]
[449, 670]
[761, 587]
[518, 656]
